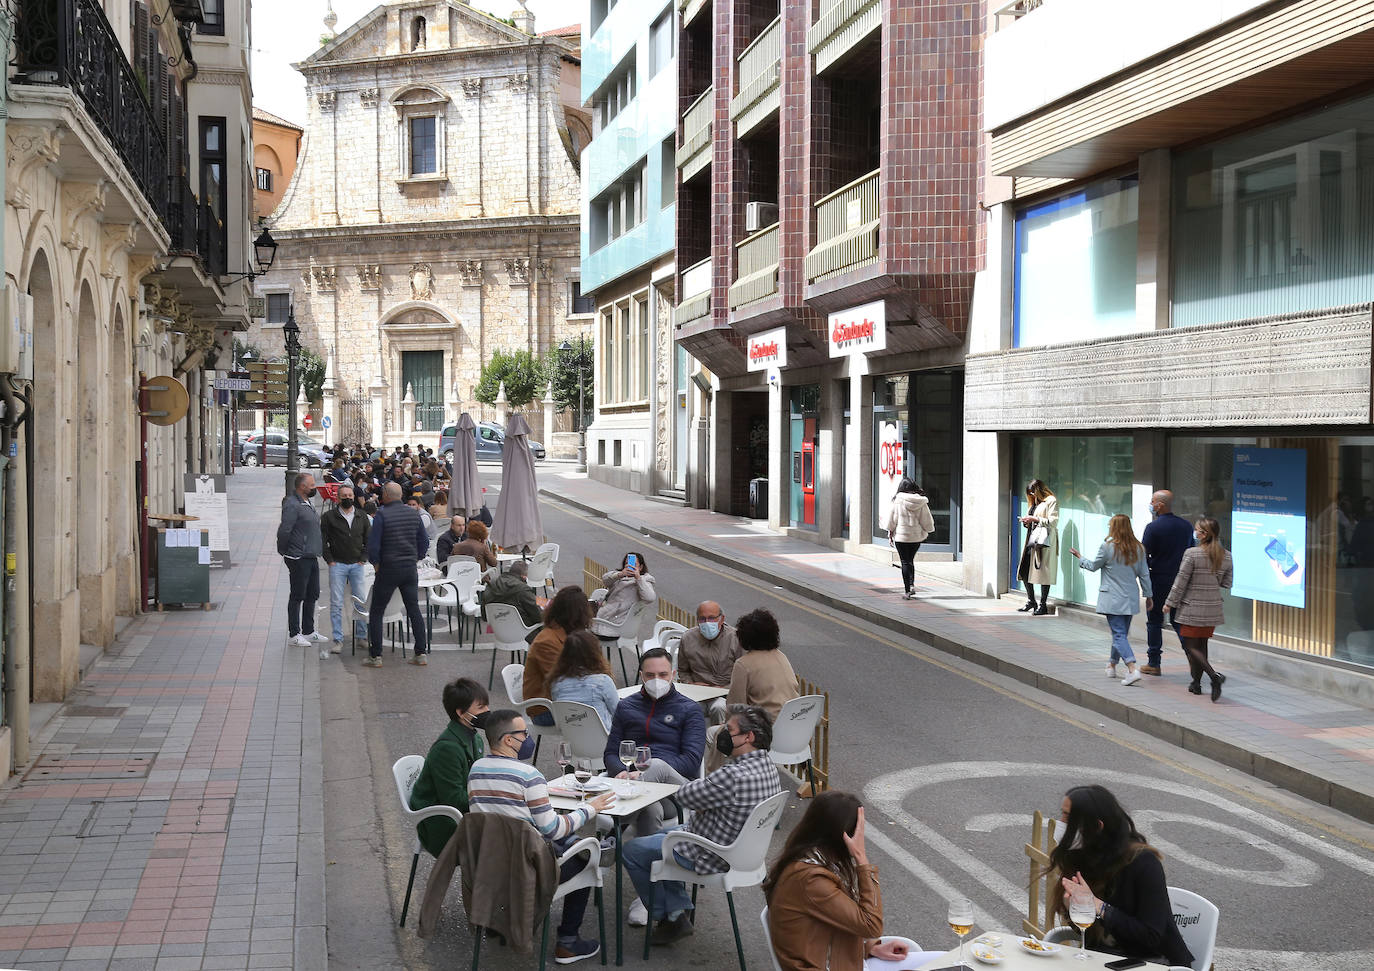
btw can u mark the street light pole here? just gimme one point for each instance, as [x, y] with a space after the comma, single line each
[291, 333]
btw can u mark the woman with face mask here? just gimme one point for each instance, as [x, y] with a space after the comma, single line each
[1195, 600]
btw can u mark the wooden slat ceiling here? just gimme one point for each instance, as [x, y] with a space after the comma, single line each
[1292, 56]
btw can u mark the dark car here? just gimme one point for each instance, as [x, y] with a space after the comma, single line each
[491, 441]
[313, 455]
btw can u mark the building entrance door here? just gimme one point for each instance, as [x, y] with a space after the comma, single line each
[423, 373]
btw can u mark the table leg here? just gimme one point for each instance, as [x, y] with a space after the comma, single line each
[619, 923]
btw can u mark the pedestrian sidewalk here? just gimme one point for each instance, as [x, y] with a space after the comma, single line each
[1312, 743]
[171, 816]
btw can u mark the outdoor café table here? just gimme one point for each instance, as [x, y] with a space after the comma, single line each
[644, 794]
[1016, 958]
[700, 693]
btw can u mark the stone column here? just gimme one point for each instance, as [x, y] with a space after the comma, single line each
[859, 464]
[502, 405]
[331, 399]
[547, 432]
[830, 478]
[378, 392]
[455, 400]
[408, 412]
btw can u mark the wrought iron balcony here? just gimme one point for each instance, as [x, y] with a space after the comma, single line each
[846, 229]
[695, 153]
[758, 267]
[212, 244]
[69, 43]
[195, 230]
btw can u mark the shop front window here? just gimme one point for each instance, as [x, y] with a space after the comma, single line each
[918, 432]
[1092, 477]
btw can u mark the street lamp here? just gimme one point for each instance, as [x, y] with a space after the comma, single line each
[291, 334]
[264, 252]
[566, 347]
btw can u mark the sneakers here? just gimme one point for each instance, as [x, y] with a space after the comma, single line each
[316, 637]
[372, 662]
[1131, 678]
[337, 648]
[669, 931]
[300, 640]
[1111, 670]
[420, 660]
[1148, 669]
[639, 914]
[578, 950]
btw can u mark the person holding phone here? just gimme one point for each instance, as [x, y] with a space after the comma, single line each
[624, 588]
[1040, 550]
[1195, 600]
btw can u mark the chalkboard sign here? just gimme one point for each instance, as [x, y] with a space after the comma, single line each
[183, 567]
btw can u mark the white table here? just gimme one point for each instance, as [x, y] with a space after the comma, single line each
[1015, 958]
[699, 693]
[645, 794]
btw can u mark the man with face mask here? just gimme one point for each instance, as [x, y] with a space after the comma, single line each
[670, 723]
[343, 531]
[444, 779]
[504, 783]
[299, 543]
[708, 654]
[721, 803]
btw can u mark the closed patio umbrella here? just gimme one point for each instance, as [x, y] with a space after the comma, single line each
[465, 494]
[517, 523]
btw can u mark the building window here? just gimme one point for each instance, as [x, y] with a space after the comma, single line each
[264, 179]
[1076, 265]
[423, 154]
[667, 173]
[662, 42]
[1278, 220]
[617, 92]
[642, 348]
[214, 18]
[577, 303]
[213, 161]
[620, 207]
[600, 9]
[278, 307]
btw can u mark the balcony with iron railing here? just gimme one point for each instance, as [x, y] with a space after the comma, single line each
[760, 74]
[757, 258]
[846, 230]
[842, 26]
[695, 301]
[70, 44]
[695, 153]
[196, 231]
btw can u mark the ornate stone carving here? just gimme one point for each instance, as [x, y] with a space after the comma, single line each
[306, 279]
[327, 100]
[370, 97]
[116, 239]
[518, 270]
[29, 145]
[545, 269]
[470, 272]
[369, 276]
[326, 277]
[519, 83]
[80, 199]
[421, 282]
[472, 87]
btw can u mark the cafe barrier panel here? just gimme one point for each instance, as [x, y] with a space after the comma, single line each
[1038, 849]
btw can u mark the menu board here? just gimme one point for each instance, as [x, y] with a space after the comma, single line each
[207, 498]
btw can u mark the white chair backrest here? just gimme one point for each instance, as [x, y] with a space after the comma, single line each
[672, 643]
[796, 723]
[1197, 919]
[396, 610]
[433, 553]
[632, 628]
[464, 573]
[553, 547]
[581, 726]
[441, 524]
[540, 567]
[405, 771]
[513, 677]
[768, 940]
[747, 852]
[663, 628]
[506, 625]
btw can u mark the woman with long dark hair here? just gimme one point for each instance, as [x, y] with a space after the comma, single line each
[582, 674]
[825, 908]
[567, 612]
[1195, 600]
[1039, 552]
[908, 525]
[1102, 856]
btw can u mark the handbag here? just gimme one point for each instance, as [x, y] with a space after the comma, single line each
[1039, 536]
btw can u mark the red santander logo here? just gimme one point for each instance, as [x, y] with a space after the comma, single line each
[845, 333]
[763, 351]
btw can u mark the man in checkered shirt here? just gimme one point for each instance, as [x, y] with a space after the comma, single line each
[720, 804]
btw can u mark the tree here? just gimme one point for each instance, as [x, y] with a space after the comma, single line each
[563, 367]
[310, 374]
[522, 372]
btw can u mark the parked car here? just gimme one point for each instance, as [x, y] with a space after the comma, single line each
[491, 442]
[313, 454]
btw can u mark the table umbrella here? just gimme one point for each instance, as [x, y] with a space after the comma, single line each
[517, 523]
[465, 492]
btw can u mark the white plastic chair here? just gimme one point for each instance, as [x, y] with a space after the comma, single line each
[745, 857]
[513, 676]
[1197, 919]
[870, 964]
[628, 632]
[549, 546]
[509, 633]
[793, 730]
[672, 643]
[589, 876]
[395, 614]
[661, 628]
[581, 725]
[405, 771]
[458, 592]
[539, 573]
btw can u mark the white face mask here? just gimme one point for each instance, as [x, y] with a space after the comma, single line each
[657, 687]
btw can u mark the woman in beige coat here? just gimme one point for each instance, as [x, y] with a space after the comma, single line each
[1195, 600]
[1040, 550]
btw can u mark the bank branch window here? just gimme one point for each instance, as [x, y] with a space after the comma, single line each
[1278, 220]
[1075, 265]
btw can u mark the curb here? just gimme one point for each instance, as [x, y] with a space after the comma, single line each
[1273, 770]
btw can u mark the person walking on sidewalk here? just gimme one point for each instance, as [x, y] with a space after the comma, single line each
[344, 530]
[397, 541]
[299, 543]
[1195, 600]
[1165, 539]
[908, 525]
[1122, 562]
[1040, 551]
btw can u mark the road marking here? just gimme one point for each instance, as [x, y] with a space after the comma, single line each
[1295, 872]
[706, 566]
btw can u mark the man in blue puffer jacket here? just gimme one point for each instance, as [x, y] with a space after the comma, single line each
[670, 723]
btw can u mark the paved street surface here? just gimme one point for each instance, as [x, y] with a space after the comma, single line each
[184, 829]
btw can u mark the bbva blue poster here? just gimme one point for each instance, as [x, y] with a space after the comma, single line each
[1269, 524]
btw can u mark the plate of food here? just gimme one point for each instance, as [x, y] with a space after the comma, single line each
[594, 786]
[985, 952]
[1042, 949]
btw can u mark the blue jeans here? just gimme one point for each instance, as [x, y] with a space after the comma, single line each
[1121, 643]
[341, 574]
[669, 895]
[1154, 625]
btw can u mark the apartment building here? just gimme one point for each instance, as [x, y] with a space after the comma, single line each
[1188, 297]
[276, 149]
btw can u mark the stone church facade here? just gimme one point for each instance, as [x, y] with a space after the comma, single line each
[433, 218]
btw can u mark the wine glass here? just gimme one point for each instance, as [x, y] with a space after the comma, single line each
[582, 772]
[627, 757]
[1083, 915]
[961, 921]
[642, 758]
[565, 757]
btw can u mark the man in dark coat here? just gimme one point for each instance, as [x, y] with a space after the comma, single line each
[395, 544]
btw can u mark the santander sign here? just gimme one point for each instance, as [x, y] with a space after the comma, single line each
[858, 330]
[767, 350]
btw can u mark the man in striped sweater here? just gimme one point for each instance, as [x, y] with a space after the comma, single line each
[503, 783]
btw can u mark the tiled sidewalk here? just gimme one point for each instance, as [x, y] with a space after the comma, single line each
[172, 817]
[1313, 744]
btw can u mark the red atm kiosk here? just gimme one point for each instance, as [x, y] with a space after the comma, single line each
[808, 472]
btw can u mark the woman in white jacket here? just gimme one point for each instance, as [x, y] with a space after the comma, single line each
[908, 525]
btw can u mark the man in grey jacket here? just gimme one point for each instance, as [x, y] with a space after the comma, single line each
[299, 543]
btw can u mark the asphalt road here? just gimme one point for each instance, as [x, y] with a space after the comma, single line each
[951, 761]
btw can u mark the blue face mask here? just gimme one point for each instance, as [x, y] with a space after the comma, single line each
[526, 748]
[710, 629]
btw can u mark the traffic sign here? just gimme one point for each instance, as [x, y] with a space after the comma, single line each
[307, 421]
[325, 422]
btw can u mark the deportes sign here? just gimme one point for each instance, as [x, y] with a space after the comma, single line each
[859, 330]
[768, 350]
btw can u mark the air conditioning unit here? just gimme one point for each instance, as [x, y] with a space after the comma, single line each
[759, 215]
